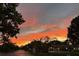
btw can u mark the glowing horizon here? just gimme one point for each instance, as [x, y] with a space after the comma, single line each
[25, 39]
[43, 20]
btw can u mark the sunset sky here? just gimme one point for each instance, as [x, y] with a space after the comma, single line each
[43, 20]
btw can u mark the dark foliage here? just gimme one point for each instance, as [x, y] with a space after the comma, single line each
[36, 46]
[8, 47]
[73, 31]
[10, 19]
[43, 47]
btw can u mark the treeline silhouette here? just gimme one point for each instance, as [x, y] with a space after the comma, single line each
[37, 46]
[71, 44]
[8, 47]
[10, 20]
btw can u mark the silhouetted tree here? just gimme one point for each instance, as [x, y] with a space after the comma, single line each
[7, 47]
[55, 42]
[10, 19]
[73, 31]
[36, 46]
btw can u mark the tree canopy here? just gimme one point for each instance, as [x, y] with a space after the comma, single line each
[10, 20]
[73, 31]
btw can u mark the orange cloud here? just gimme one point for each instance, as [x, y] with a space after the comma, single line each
[61, 34]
